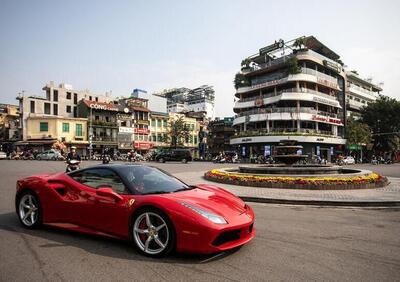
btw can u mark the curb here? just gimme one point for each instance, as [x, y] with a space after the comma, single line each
[321, 203]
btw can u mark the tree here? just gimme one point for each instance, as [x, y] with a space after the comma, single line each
[357, 133]
[245, 63]
[241, 80]
[178, 132]
[299, 43]
[383, 117]
[292, 65]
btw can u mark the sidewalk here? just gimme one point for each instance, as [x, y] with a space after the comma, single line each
[382, 197]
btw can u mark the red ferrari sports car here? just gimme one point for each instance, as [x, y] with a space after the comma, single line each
[143, 204]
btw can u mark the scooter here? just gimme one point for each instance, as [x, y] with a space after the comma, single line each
[106, 159]
[72, 165]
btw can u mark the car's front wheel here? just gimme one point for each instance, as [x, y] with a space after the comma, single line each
[152, 233]
[29, 210]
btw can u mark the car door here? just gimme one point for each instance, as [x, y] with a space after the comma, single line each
[103, 213]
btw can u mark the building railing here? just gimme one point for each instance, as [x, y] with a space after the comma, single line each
[290, 90]
[363, 90]
[291, 110]
[104, 139]
[284, 131]
[303, 70]
[286, 57]
[103, 123]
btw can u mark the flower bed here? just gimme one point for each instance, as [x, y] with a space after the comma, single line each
[372, 180]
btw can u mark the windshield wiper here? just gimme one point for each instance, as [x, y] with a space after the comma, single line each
[185, 188]
[156, 192]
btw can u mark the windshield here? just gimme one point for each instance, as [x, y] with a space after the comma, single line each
[148, 180]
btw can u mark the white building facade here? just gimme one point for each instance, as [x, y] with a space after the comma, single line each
[291, 91]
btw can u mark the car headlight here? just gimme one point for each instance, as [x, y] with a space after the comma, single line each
[207, 214]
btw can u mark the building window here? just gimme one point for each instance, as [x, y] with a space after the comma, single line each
[69, 95]
[159, 123]
[32, 106]
[65, 127]
[69, 110]
[55, 109]
[90, 98]
[78, 130]
[55, 95]
[75, 98]
[46, 108]
[97, 99]
[44, 126]
[75, 112]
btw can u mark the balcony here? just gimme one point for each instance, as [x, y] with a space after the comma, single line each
[103, 123]
[285, 131]
[286, 110]
[104, 139]
[305, 74]
[362, 92]
[290, 90]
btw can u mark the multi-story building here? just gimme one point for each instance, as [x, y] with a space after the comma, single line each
[220, 131]
[359, 93]
[57, 107]
[202, 122]
[141, 122]
[159, 129]
[192, 141]
[181, 100]
[293, 90]
[10, 130]
[102, 125]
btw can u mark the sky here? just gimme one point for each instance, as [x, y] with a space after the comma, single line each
[121, 45]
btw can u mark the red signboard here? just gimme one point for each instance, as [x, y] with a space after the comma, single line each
[327, 119]
[142, 131]
[143, 145]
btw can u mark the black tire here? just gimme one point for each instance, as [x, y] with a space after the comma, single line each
[169, 228]
[38, 158]
[184, 161]
[161, 160]
[29, 193]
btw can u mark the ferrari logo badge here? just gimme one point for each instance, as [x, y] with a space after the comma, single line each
[131, 201]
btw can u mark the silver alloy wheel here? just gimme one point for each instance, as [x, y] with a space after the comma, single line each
[28, 210]
[156, 237]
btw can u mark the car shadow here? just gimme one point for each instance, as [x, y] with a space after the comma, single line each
[100, 245]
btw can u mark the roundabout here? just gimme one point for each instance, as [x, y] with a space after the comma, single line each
[291, 175]
[362, 179]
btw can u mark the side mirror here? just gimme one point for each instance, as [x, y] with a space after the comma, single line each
[106, 191]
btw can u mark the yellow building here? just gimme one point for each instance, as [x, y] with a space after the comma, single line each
[159, 129]
[45, 130]
[193, 140]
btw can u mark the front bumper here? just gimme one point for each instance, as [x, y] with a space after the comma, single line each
[217, 238]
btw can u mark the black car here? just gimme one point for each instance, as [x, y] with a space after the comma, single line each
[182, 155]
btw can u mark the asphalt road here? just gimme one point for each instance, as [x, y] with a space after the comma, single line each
[292, 244]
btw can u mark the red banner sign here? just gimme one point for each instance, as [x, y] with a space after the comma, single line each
[326, 119]
[145, 131]
[143, 145]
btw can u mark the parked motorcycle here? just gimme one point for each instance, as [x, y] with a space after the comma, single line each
[106, 159]
[72, 165]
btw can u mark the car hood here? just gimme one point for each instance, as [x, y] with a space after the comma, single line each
[213, 199]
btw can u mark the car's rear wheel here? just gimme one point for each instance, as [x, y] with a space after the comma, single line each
[184, 161]
[152, 233]
[29, 210]
[38, 158]
[161, 160]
